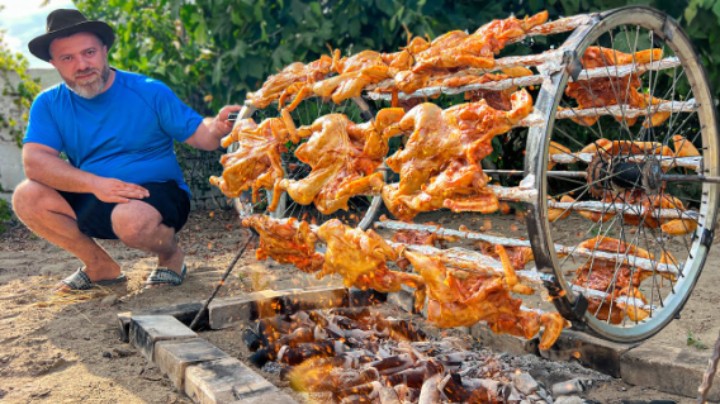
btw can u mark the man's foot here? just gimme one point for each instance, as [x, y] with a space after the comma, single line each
[170, 271]
[80, 280]
[165, 277]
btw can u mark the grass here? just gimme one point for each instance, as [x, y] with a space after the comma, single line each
[695, 342]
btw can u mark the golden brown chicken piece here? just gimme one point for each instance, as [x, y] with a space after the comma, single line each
[616, 280]
[607, 91]
[287, 242]
[256, 163]
[295, 79]
[361, 257]
[458, 49]
[344, 157]
[455, 301]
[359, 71]
[440, 164]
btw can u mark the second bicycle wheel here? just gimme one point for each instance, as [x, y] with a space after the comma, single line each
[626, 168]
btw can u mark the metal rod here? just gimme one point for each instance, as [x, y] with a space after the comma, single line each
[689, 178]
[625, 209]
[633, 260]
[566, 174]
[693, 163]
[222, 281]
[623, 110]
[525, 81]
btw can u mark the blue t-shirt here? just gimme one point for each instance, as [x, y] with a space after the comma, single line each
[126, 132]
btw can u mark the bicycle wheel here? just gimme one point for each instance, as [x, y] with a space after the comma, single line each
[362, 209]
[626, 169]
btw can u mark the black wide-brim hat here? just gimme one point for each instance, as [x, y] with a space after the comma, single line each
[65, 22]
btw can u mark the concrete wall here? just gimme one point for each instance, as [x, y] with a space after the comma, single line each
[11, 171]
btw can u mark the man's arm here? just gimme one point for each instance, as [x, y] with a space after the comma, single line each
[44, 165]
[211, 130]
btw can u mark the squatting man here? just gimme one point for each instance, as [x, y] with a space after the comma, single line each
[121, 179]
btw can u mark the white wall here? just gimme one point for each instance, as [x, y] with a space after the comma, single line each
[11, 171]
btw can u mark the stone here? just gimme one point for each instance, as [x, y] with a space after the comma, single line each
[224, 381]
[650, 365]
[124, 326]
[324, 297]
[569, 400]
[589, 351]
[525, 383]
[184, 312]
[225, 312]
[173, 357]
[574, 386]
[109, 300]
[145, 331]
[271, 397]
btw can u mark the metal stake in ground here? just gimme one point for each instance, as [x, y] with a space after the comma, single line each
[222, 281]
[704, 388]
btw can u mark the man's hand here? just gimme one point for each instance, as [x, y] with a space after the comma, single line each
[221, 125]
[115, 191]
[208, 134]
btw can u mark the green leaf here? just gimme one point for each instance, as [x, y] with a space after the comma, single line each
[691, 11]
[716, 9]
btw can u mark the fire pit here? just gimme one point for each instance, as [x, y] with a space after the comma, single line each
[355, 355]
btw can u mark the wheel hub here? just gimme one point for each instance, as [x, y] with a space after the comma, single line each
[621, 174]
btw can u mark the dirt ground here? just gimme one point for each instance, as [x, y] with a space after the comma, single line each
[65, 349]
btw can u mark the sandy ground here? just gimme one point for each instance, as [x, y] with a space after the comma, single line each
[56, 350]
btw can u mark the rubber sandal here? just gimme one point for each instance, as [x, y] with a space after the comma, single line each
[80, 281]
[166, 277]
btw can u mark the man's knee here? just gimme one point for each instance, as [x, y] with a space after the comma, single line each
[32, 198]
[132, 222]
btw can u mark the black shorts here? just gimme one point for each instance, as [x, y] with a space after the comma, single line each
[93, 215]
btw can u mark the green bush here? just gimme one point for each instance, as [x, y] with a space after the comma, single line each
[5, 215]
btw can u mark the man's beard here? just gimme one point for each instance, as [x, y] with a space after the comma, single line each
[90, 88]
